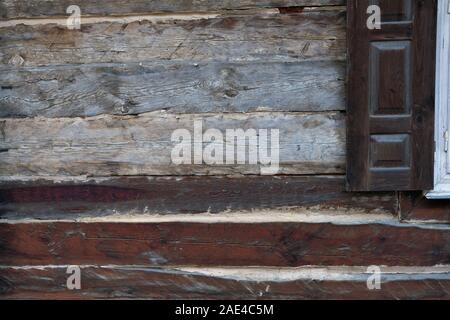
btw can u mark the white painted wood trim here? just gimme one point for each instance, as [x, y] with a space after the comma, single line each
[442, 158]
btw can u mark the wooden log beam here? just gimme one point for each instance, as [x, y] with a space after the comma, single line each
[47, 199]
[359, 241]
[310, 35]
[133, 88]
[115, 282]
[142, 145]
[41, 8]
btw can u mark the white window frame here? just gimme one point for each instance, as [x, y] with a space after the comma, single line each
[442, 148]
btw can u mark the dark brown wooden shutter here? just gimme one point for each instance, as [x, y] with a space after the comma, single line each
[390, 142]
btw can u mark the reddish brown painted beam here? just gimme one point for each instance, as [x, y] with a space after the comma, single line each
[414, 206]
[115, 282]
[224, 244]
[190, 194]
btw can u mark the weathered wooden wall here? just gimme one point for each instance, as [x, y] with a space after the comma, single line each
[86, 178]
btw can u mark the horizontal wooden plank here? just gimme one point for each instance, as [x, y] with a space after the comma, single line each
[189, 194]
[114, 282]
[291, 244]
[141, 145]
[90, 90]
[311, 35]
[41, 8]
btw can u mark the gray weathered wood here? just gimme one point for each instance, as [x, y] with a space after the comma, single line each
[129, 145]
[89, 90]
[42, 8]
[311, 35]
[223, 64]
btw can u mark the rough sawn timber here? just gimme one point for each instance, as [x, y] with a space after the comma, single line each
[134, 88]
[311, 35]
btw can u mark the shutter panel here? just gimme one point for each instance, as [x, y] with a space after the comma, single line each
[390, 127]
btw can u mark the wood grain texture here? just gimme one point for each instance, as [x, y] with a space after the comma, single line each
[232, 63]
[109, 282]
[190, 194]
[141, 145]
[89, 90]
[414, 206]
[290, 244]
[41, 8]
[310, 35]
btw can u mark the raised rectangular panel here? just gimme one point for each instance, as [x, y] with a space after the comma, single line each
[390, 151]
[390, 78]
